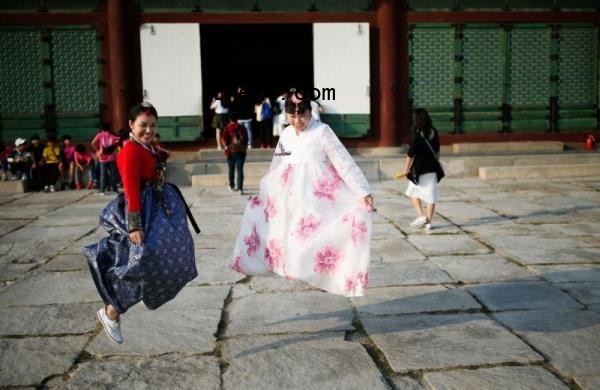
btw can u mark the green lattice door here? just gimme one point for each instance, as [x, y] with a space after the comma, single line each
[49, 79]
[483, 79]
[76, 75]
[577, 66]
[519, 78]
[21, 83]
[431, 50]
[529, 78]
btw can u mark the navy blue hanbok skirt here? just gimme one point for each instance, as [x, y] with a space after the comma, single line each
[154, 272]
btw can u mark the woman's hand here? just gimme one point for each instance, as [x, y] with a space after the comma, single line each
[137, 237]
[368, 202]
[400, 175]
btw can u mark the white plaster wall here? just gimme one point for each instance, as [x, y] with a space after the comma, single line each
[171, 72]
[341, 61]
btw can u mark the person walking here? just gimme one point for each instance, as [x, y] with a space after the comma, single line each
[149, 254]
[235, 140]
[422, 168]
[312, 217]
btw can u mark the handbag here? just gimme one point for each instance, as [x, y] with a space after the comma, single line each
[439, 170]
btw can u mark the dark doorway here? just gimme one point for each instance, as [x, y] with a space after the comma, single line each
[268, 58]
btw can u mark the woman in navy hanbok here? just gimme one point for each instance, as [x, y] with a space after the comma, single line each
[149, 253]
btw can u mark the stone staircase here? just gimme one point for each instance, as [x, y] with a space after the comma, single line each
[489, 160]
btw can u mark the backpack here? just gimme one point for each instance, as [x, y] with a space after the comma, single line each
[265, 111]
[239, 140]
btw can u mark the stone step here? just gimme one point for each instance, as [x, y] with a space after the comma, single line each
[267, 154]
[508, 147]
[254, 171]
[221, 180]
[12, 186]
[384, 167]
[539, 171]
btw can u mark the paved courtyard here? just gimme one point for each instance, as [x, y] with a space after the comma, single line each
[504, 293]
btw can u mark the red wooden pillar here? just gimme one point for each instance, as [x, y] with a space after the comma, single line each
[388, 22]
[118, 81]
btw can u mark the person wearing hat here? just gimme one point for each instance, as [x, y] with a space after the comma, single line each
[20, 160]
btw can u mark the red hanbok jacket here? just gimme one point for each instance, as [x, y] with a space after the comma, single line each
[136, 165]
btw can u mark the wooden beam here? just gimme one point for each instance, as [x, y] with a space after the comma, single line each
[503, 17]
[54, 19]
[258, 17]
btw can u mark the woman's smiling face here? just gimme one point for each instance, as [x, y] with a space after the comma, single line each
[299, 121]
[144, 127]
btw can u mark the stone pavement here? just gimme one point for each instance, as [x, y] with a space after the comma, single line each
[504, 293]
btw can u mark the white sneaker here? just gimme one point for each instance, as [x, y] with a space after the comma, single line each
[52, 189]
[419, 222]
[112, 328]
[427, 228]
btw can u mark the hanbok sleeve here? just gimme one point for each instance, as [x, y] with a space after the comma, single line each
[131, 173]
[344, 164]
[276, 160]
[278, 154]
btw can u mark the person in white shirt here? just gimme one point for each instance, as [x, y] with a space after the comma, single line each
[220, 118]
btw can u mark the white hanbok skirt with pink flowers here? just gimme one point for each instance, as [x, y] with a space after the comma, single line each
[306, 224]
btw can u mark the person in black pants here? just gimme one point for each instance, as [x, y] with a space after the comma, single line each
[235, 139]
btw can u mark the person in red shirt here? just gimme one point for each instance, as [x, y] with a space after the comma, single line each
[83, 161]
[235, 139]
[149, 254]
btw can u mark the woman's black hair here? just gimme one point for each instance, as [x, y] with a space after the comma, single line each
[297, 102]
[65, 136]
[80, 148]
[421, 121]
[142, 108]
[51, 137]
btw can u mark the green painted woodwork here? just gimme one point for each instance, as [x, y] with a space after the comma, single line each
[348, 125]
[499, 5]
[71, 5]
[529, 66]
[20, 5]
[577, 5]
[577, 65]
[483, 67]
[49, 79]
[48, 5]
[21, 81]
[520, 65]
[432, 66]
[255, 5]
[531, 4]
[75, 71]
[180, 128]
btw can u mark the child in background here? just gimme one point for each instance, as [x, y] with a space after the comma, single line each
[83, 161]
[51, 158]
[67, 166]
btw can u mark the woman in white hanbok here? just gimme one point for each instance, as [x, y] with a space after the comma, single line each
[312, 217]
